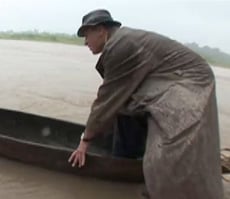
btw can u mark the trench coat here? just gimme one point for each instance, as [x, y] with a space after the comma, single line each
[147, 73]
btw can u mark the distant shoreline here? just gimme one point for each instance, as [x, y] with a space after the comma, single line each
[213, 56]
[43, 37]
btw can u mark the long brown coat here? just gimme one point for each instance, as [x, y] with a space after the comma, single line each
[145, 72]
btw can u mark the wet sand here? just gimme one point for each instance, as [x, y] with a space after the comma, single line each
[60, 81]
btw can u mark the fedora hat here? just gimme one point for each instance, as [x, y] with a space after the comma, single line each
[94, 18]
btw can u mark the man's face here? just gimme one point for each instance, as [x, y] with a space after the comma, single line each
[95, 38]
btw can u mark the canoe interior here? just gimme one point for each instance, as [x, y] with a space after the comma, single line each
[52, 132]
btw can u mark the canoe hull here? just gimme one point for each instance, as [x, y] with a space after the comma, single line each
[56, 157]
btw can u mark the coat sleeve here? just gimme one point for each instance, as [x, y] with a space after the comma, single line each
[125, 67]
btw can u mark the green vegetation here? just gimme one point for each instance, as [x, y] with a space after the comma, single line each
[213, 55]
[42, 36]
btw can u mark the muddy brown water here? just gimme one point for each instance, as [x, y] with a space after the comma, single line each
[60, 81]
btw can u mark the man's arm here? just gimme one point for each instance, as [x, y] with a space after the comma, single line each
[125, 68]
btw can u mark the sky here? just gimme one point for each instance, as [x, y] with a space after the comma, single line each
[206, 22]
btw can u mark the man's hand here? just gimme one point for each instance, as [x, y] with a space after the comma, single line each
[78, 156]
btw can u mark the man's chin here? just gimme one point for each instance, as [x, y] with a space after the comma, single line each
[95, 52]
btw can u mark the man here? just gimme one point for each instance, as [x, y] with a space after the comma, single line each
[170, 87]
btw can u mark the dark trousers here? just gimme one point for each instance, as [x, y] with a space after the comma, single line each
[130, 136]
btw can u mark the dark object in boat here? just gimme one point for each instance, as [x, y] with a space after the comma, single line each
[49, 142]
[225, 160]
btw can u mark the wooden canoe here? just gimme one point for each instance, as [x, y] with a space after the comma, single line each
[48, 143]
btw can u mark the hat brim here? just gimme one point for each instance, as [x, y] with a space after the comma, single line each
[82, 29]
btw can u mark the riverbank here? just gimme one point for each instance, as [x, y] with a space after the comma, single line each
[213, 55]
